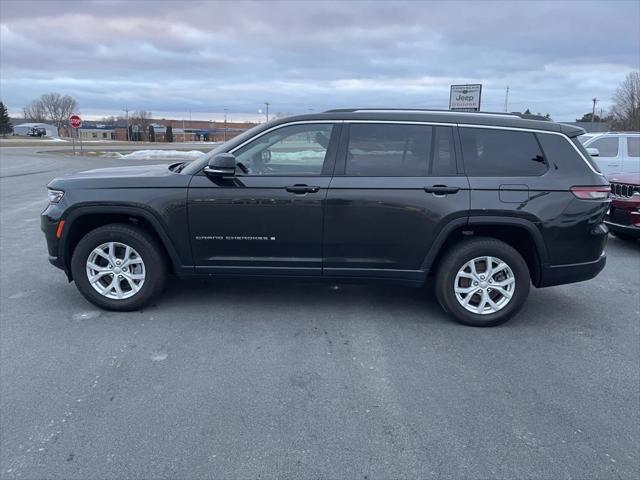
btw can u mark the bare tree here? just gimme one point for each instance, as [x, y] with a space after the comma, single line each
[142, 119]
[34, 112]
[51, 107]
[58, 107]
[626, 108]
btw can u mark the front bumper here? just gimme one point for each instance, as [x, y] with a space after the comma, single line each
[632, 230]
[49, 226]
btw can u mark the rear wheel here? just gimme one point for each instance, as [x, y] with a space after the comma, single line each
[119, 267]
[482, 282]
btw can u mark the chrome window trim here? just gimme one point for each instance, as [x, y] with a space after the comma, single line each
[412, 122]
[402, 122]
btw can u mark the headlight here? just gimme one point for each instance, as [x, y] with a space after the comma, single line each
[55, 195]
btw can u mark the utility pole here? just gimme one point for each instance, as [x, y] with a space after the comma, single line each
[126, 111]
[225, 125]
[506, 100]
[593, 113]
[266, 104]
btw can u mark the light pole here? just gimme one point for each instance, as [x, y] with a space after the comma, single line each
[593, 113]
[126, 111]
[224, 138]
[266, 104]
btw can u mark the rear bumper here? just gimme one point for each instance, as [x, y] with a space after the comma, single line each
[577, 272]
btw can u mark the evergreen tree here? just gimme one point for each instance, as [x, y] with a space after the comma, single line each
[152, 134]
[5, 121]
[168, 136]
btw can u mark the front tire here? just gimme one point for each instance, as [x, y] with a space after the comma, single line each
[119, 267]
[482, 282]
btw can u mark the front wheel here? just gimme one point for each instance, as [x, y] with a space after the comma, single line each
[119, 267]
[482, 282]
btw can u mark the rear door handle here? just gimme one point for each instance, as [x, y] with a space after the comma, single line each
[441, 189]
[299, 189]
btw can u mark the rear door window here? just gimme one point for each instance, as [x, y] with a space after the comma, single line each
[395, 150]
[607, 147]
[501, 153]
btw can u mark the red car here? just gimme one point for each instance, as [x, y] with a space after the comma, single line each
[623, 217]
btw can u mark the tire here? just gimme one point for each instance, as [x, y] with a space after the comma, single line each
[142, 278]
[455, 270]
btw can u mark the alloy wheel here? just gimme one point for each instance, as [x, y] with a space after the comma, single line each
[484, 285]
[115, 270]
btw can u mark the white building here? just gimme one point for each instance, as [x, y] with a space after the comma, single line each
[26, 128]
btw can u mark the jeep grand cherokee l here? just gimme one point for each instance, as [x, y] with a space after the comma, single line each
[484, 205]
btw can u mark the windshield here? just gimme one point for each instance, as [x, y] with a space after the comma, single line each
[197, 165]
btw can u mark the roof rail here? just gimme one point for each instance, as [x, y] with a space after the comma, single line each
[431, 110]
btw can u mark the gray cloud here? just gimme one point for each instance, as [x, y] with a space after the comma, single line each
[205, 56]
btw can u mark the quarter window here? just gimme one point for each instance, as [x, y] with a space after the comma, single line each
[607, 147]
[633, 146]
[394, 150]
[289, 151]
[501, 153]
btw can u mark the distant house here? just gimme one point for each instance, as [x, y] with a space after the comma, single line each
[28, 128]
[98, 132]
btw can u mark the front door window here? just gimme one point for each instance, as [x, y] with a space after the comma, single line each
[295, 150]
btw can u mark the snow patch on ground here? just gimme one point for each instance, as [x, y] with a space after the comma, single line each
[157, 155]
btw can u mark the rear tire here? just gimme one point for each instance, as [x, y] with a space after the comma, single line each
[128, 268]
[475, 295]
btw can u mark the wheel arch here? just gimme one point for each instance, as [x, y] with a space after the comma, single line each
[83, 219]
[521, 234]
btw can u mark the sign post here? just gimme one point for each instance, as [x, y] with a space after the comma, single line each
[76, 122]
[465, 98]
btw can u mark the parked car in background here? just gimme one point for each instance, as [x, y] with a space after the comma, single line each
[588, 136]
[616, 152]
[623, 216]
[37, 132]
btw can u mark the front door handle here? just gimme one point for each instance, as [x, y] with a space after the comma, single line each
[441, 189]
[300, 189]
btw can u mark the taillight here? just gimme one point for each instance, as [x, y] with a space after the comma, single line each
[591, 193]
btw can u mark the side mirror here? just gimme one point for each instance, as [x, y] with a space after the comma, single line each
[222, 165]
[594, 152]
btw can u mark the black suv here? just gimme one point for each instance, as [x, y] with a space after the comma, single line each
[486, 204]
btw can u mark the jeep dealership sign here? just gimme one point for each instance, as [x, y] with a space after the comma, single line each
[465, 98]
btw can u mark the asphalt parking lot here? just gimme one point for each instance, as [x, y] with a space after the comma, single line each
[257, 379]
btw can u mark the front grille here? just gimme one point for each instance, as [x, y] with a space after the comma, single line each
[622, 190]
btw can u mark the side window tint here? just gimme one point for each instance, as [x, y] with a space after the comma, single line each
[607, 147]
[633, 146]
[501, 153]
[388, 150]
[292, 150]
[444, 158]
[562, 155]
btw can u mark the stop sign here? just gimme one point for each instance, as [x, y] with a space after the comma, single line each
[75, 121]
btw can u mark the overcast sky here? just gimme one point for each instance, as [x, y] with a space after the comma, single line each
[172, 57]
